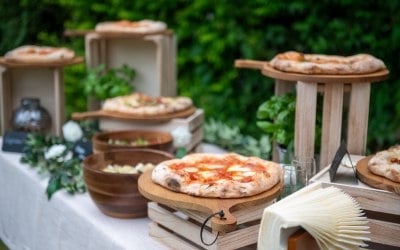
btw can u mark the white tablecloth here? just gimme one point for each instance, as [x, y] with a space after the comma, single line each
[72, 222]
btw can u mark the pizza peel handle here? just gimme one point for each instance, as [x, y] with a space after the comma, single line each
[87, 114]
[249, 64]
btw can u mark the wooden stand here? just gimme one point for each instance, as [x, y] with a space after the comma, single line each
[333, 88]
[382, 207]
[152, 56]
[42, 80]
[193, 123]
[181, 230]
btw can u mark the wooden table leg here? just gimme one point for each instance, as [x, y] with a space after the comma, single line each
[5, 95]
[306, 106]
[331, 122]
[281, 87]
[357, 127]
[59, 118]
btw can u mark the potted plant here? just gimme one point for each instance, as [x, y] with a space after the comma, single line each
[277, 118]
[101, 84]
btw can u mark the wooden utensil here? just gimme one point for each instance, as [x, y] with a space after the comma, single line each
[155, 192]
[374, 180]
[125, 116]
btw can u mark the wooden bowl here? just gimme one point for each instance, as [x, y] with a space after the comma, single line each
[117, 195]
[156, 140]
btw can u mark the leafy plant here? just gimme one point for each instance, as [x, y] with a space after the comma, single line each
[231, 139]
[64, 168]
[276, 118]
[111, 83]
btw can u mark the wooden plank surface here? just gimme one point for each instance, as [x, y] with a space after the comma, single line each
[385, 232]
[21, 64]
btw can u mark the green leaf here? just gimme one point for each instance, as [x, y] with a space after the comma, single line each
[53, 186]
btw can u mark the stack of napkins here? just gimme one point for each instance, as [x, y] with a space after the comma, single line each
[332, 217]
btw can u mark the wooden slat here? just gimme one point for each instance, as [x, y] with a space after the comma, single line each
[385, 232]
[331, 122]
[371, 199]
[59, 102]
[358, 118]
[306, 105]
[170, 239]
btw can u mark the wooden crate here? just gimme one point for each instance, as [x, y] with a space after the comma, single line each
[44, 81]
[153, 57]
[180, 229]
[193, 123]
[381, 207]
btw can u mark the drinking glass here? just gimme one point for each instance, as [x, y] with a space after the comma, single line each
[294, 178]
[306, 163]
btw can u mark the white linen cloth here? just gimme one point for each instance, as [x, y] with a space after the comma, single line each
[29, 221]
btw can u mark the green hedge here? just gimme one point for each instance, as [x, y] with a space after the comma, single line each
[212, 34]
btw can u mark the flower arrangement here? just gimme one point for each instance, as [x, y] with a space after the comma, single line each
[57, 156]
[181, 138]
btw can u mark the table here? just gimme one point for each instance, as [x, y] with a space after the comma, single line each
[29, 221]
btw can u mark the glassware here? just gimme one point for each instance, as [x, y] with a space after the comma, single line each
[294, 177]
[31, 117]
[306, 163]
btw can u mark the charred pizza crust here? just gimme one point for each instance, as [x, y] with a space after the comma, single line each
[296, 62]
[386, 163]
[143, 26]
[141, 104]
[217, 175]
[39, 54]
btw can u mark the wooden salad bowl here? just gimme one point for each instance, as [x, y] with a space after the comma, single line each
[126, 139]
[115, 194]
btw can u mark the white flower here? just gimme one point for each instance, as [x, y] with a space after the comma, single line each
[54, 151]
[72, 131]
[182, 136]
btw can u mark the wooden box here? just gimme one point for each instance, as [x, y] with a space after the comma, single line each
[44, 81]
[193, 123]
[152, 56]
[181, 229]
[381, 207]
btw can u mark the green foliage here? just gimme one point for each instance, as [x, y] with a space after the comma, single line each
[231, 139]
[64, 174]
[112, 83]
[212, 34]
[276, 118]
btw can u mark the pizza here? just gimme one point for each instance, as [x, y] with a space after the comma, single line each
[295, 62]
[386, 163]
[144, 26]
[217, 175]
[39, 54]
[142, 104]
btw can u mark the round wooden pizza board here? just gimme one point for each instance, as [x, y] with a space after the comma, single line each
[22, 64]
[374, 180]
[125, 116]
[267, 70]
[155, 192]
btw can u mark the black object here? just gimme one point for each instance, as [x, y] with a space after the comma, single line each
[221, 217]
[340, 153]
[82, 149]
[31, 117]
[14, 141]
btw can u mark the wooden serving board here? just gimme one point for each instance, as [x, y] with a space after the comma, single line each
[360, 78]
[374, 180]
[124, 116]
[157, 193]
[22, 64]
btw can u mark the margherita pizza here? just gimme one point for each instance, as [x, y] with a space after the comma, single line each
[39, 54]
[217, 175]
[141, 104]
[144, 26]
[386, 163]
[295, 62]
